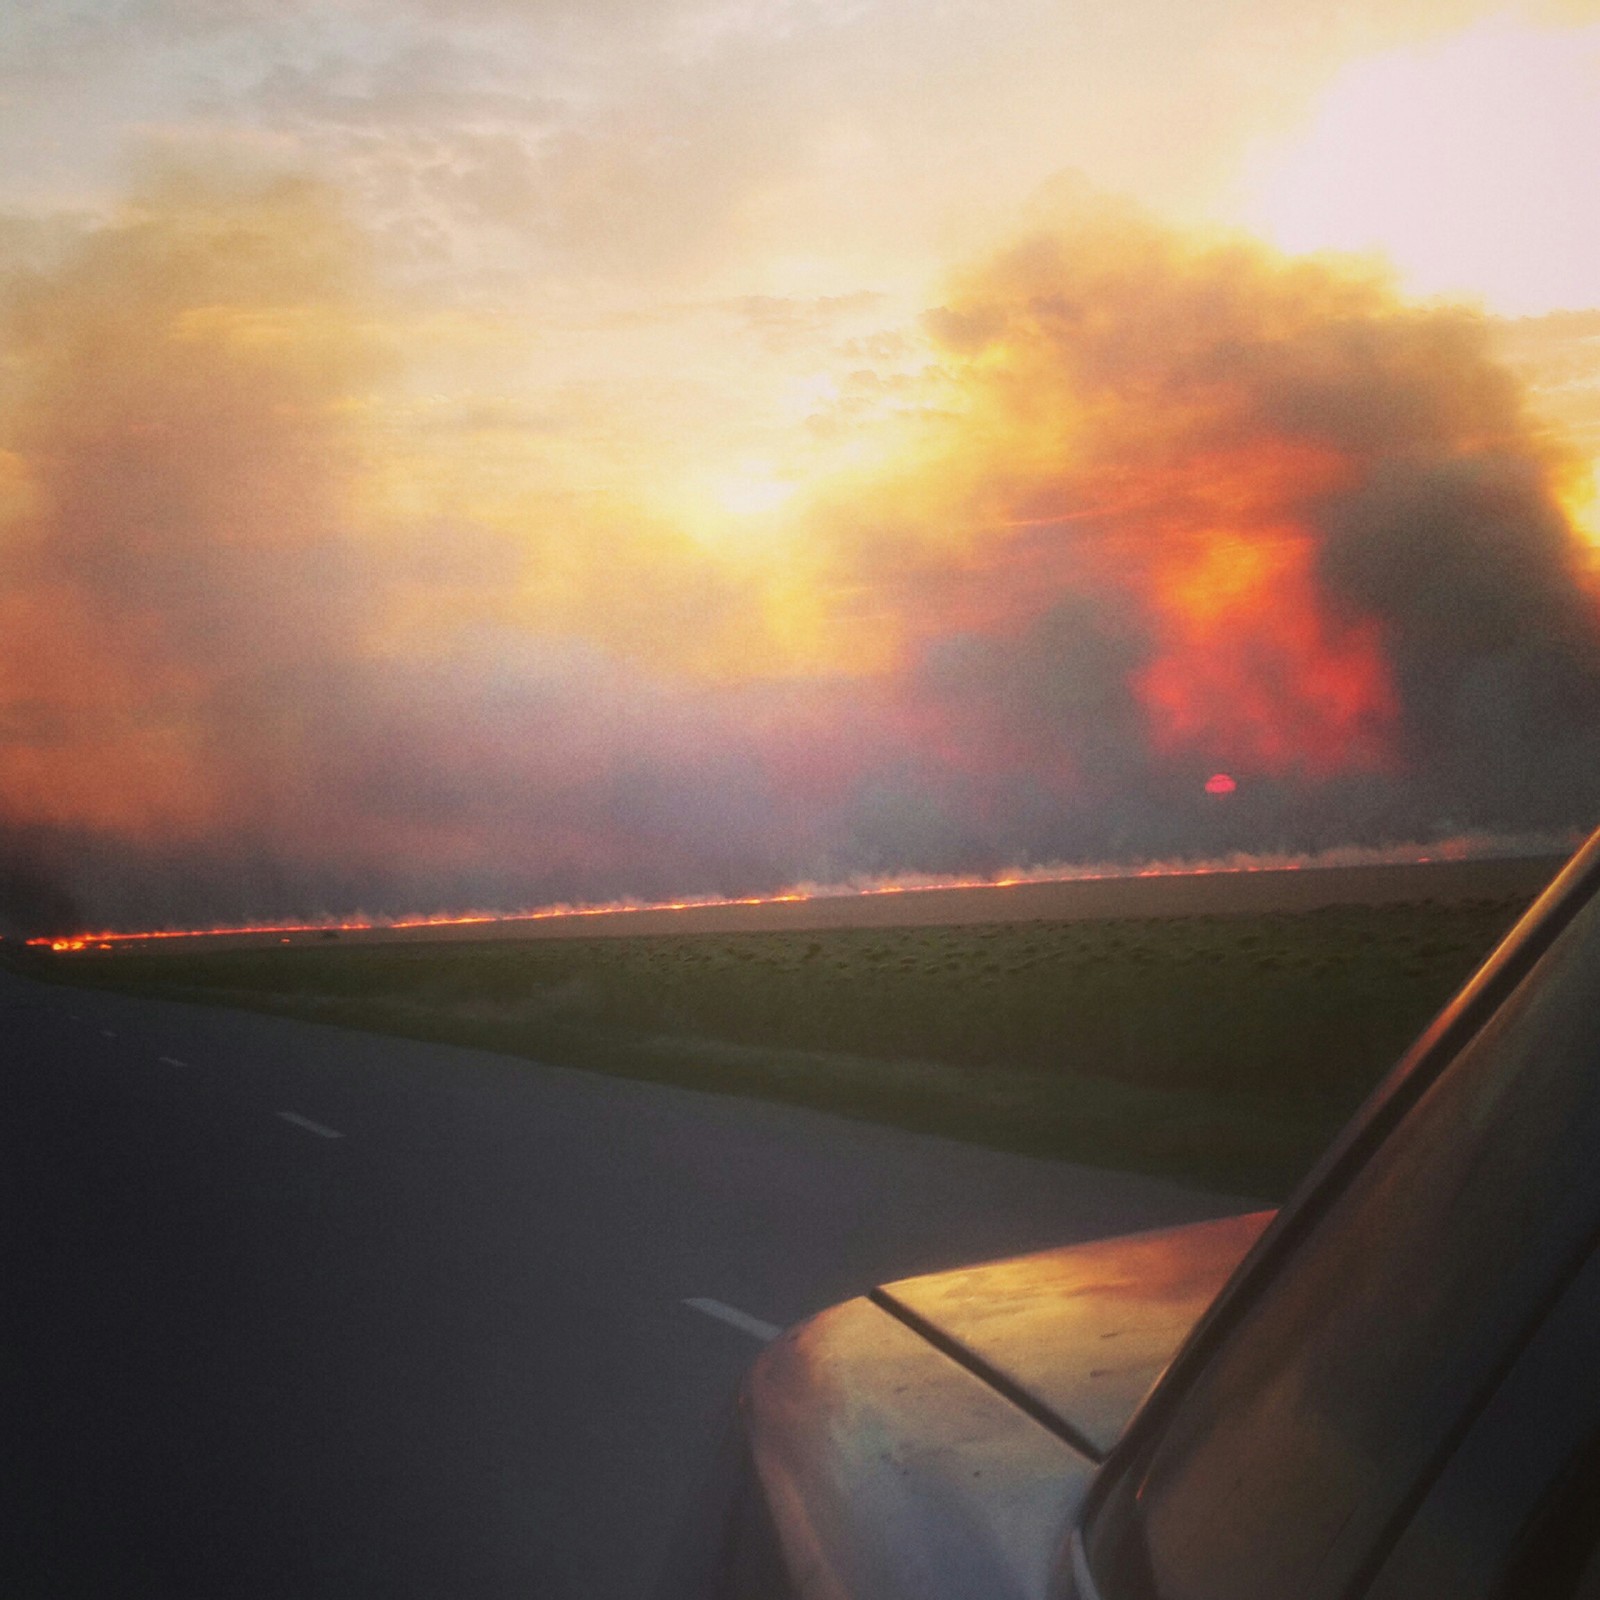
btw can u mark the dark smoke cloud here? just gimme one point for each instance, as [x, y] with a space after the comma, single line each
[34, 897]
[1469, 567]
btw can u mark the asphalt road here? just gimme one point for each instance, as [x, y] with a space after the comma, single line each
[295, 1312]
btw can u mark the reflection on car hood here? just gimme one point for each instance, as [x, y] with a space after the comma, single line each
[1082, 1332]
[889, 1472]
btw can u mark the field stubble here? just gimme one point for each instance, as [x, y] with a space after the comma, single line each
[1225, 1049]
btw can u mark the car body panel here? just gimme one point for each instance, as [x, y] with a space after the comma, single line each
[936, 1440]
[892, 1472]
[1083, 1331]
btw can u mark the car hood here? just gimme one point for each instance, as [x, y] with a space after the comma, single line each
[935, 1440]
[1080, 1333]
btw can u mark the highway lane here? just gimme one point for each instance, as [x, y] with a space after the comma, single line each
[293, 1311]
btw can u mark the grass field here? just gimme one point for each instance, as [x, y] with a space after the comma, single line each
[1223, 1049]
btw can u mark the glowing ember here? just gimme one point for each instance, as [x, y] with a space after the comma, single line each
[1220, 783]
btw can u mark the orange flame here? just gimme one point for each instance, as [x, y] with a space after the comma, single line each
[1464, 847]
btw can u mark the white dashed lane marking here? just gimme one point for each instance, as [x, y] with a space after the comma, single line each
[171, 1061]
[321, 1130]
[106, 1033]
[735, 1318]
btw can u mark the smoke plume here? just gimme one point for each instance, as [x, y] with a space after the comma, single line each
[1168, 507]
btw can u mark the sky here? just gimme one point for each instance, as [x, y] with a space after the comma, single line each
[481, 455]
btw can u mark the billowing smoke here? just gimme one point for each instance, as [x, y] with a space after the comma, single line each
[1171, 507]
[1193, 508]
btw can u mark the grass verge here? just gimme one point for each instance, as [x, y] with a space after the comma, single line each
[1221, 1049]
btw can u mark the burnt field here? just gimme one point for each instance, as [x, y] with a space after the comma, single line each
[1224, 1047]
